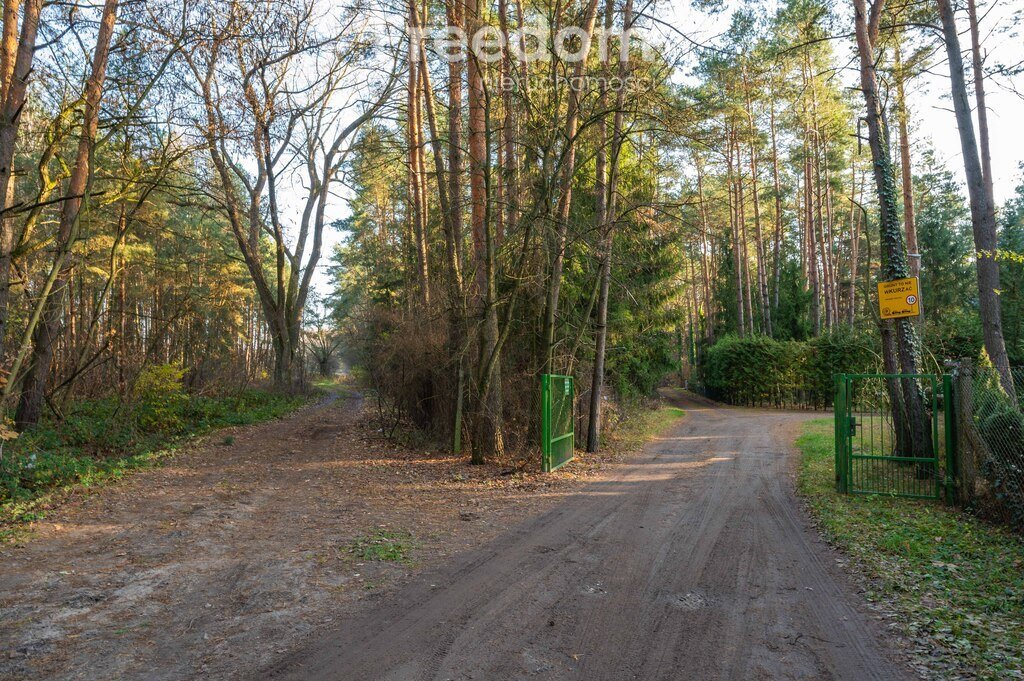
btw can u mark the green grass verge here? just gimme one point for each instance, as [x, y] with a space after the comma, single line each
[342, 386]
[102, 440]
[644, 424]
[955, 583]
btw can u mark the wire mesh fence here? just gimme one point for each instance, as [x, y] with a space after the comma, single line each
[558, 440]
[885, 450]
[990, 442]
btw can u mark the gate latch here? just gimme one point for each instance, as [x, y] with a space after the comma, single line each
[853, 426]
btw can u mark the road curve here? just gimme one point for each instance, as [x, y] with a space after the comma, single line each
[693, 562]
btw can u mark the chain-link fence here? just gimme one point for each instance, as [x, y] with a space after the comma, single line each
[990, 443]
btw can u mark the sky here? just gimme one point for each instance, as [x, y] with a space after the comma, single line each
[933, 123]
[930, 104]
[928, 94]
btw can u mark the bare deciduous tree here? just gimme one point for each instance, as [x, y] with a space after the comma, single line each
[281, 102]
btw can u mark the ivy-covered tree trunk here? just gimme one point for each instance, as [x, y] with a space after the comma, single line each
[910, 417]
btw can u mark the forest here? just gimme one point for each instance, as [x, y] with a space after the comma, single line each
[507, 339]
[721, 209]
[210, 204]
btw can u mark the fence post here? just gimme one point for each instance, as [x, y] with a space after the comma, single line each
[951, 435]
[545, 421]
[839, 422]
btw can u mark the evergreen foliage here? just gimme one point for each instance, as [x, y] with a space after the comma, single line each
[761, 371]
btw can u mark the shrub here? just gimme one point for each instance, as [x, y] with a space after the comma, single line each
[97, 439]
[839, 352]
[750, 370]
[757, 370]
[160, 397]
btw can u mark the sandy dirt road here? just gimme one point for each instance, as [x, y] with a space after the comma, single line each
[222, 559]
[694, 562]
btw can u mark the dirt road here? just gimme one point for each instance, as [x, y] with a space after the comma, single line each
[217, 562]
[692, 563]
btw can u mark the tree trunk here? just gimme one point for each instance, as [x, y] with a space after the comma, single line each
[417, 174]
[906, 174]
[705, 229]
[450, 221]
[508, 204]
[986, 171]
[487, 440]
[455, 18]
[983, 218]
[454, 10]
[607, 207]
[777, 243]
[907, 179]
[854, 244]
[568, 170]
[416, 198]
[977, 67]
[604, 253]
[741, 220]
[762, 277]
[47, 330]
[16, 55]
[893, 253]
[829, 243]
[821, 228]
[810, 245]
[284, 358]
[734, 220]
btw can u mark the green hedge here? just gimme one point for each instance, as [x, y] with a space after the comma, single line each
[758, 370]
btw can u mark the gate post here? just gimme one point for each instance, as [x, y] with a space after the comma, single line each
[951, 435]
[545, 421]
[841, 431]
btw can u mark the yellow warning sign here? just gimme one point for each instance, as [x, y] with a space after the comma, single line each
[899, 298]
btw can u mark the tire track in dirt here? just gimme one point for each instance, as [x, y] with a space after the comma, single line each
[692, 562]
[217, 562]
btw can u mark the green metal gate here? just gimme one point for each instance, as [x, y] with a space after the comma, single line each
[871, 458]
[558, 435]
